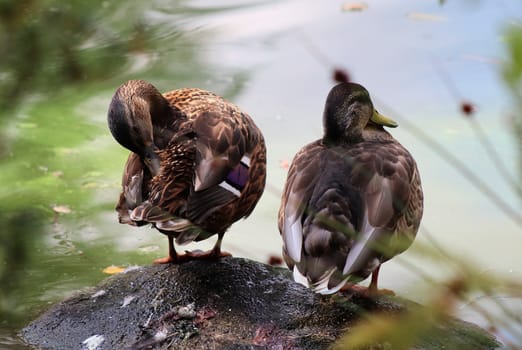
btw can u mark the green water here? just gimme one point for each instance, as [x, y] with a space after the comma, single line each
[60, 168]
[274, 59]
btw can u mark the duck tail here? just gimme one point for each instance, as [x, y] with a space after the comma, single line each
[329, 283]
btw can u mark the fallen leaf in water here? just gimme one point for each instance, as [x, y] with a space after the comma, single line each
[90, 185]
[425, 17]
[94, 184]
[111, 270]
[57, 173]
[93, 174]
[27, 125]
[67, 151]
[149, 248]
[284, 164]
[354, 6]
[61, 209]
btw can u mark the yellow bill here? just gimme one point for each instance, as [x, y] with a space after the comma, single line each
[383, 120]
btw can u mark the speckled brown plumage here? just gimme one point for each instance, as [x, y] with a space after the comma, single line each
[201, 141]
[352, 199]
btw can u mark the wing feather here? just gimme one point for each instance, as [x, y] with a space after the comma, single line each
[302, 176]
[220, 147]
[386, 196]
[135, 187]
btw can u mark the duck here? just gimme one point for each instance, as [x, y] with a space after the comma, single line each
[352, 199]
[197, 164]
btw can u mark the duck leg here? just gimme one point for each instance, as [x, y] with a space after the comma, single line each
[175, 258]
[372, 290]
[214, 253]
[173, 255]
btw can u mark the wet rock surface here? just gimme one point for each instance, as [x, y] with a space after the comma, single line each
[232, 303]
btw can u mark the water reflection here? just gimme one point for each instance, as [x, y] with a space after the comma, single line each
[274, 59]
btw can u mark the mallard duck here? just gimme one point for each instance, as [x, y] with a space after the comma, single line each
[197, 163]
[352, 199]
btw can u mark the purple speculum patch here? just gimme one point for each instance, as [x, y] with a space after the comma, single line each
[238, 177]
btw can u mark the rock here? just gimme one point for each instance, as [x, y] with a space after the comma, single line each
[228, 304]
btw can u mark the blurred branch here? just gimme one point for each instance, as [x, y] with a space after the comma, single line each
[512, 72]
[456, 163]
[468, 110]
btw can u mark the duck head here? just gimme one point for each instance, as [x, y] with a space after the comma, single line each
[132, 112]
[348, 110]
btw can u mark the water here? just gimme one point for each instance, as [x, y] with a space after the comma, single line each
[275, 60]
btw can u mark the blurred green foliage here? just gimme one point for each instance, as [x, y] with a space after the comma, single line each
[513, 66]
[14, 251]
[60, 63]
[55, 56]
[49, 44]
[512, 71]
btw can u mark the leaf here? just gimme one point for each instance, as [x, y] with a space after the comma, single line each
[61, 209]
[27, 125]
[419, 16]
[284, 164]
[354, 6]
[112, 270]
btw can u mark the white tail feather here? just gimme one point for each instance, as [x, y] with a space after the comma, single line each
[187, 237]
[293, 239]
[174, 225]
[362, 248]
[246, 160]
[230, 188]
[320, 286]
[334, 289]
[299, 277]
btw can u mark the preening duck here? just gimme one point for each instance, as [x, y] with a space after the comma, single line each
[197, 163]
[352, 200]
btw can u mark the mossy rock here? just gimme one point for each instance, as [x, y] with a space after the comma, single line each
[232, 303]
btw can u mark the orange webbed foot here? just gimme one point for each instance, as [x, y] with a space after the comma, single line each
[366, 292]
[212, 254]
[192, 255]
[165, 260]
